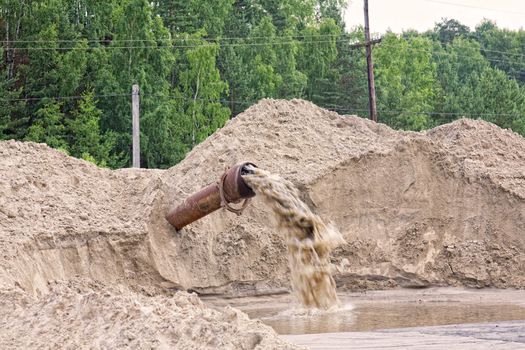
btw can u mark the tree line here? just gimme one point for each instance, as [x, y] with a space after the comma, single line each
[68, 66]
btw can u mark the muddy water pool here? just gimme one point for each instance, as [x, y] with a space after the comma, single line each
[384, 309]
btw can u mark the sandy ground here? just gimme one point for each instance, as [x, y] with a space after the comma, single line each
[484, 336]
[443, 207]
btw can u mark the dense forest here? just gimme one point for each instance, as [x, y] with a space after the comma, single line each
[68, 67]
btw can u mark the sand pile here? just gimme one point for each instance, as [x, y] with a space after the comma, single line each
[90, 315]
[445, 207]
[442, 207]
[61, 217]
[65, 219]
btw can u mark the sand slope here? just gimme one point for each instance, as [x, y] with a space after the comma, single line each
[91, 315]
[445, 207]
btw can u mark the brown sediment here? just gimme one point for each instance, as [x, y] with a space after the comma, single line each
[308, 238]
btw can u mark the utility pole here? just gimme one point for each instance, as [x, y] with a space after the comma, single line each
[136, 125]
[370, 66]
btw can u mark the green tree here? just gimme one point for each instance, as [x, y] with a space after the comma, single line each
[12, 107]
[316, 58]
[48, 126]
[406, 81]
[201, 88]
[497, 98]
[166, 138]
[457, 64]
[504, 49]
[293, 82]
[260, 59]
[352, 87]
[85, 138]
[449, 29]
[140, 53]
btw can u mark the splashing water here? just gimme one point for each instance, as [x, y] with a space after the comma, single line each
[308, 238]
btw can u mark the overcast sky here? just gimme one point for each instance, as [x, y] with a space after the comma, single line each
[422, 14]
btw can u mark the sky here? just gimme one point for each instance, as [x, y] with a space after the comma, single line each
[399, 15]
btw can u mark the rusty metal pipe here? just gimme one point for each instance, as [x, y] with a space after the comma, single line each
[213, 197]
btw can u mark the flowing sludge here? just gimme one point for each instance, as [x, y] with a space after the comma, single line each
[308, 238]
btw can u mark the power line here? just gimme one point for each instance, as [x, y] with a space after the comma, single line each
[472, 6]
[176, 46]
[244, 102]
[276, 43]
[208, 39]
[399, 111]
[452, 114]
[504, 52]
[77, 97]
[352, 45]
[178, 39]
[213, 40]
[489, 50]
[507, 60]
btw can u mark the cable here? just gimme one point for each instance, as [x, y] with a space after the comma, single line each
[432, 51]
[203, 39]
[459, 114]
[342, 108]
[226, 101]
[473, 7]
[77, 97]
[179, 39]
[496, 51]
[177, 46]
[506, 60]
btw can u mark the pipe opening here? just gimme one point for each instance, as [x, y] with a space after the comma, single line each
[248, 168]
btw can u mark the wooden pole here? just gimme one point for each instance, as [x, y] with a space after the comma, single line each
[136, 125]
[370, 66]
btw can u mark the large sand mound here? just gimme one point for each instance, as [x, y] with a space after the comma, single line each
[442, 207]
[94, 316]
[445, 207]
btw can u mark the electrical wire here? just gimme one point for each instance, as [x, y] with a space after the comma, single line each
[179, 39]
[177, 46]
[238, 102]
[473, 7]
[276, 43]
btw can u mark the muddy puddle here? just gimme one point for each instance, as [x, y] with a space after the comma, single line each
[384, 310]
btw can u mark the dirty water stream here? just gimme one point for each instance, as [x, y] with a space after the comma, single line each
[384, 309]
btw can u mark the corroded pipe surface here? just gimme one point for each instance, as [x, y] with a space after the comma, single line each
[209, 199]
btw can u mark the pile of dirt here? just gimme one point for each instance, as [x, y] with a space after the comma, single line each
[61, 217]
[64, 219]
[445, 206]
[90, 315]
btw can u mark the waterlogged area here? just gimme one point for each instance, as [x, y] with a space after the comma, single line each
[385, 310]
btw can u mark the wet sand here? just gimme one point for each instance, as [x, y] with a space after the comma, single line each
[494, 336]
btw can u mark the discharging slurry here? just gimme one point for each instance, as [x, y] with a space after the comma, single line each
[308, 238]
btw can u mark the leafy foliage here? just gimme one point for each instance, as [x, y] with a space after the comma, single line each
[68, 66]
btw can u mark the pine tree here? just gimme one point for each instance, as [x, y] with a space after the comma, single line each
[85, 138]
[48, 126]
